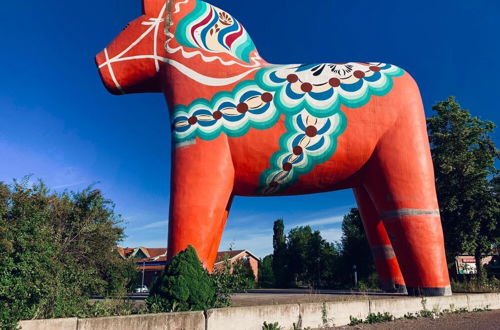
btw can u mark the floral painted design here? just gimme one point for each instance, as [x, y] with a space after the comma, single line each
[309, 96]
[309, 141]
[322, 88]
[232, 113]
[214, 30]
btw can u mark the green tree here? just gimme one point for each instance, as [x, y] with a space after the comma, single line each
[243, 274]
[279, 261]
[266, 274]
[183, 285]
[298, 251]
[466, 180]
[355, 248]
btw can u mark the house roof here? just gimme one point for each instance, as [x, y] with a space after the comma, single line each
[125, 252]
[227, 254]
[157, 257]
[155, 252]
[148, 252]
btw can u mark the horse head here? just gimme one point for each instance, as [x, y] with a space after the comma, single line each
[132, 61]
[191, 35]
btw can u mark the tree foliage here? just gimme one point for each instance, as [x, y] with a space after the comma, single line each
[266, 274]
[280, 263]
[309, 260]
[466, 179]
[355, 249]
[56, 250]
[305, 258]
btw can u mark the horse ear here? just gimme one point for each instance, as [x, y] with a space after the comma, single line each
[152, 7]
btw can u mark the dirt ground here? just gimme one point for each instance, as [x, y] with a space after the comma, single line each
[464, 321]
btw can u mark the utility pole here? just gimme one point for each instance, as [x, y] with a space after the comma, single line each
[354, 269]
[143, 266]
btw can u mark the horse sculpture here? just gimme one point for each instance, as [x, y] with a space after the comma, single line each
[242, 126]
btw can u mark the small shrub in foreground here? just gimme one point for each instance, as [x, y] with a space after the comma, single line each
[184, 285]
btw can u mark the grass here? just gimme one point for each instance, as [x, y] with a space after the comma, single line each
[474, 285]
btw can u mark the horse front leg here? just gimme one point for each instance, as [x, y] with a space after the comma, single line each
[201, 187]
[215, 245]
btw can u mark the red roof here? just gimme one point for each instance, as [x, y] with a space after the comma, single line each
[125, 252]
[160, 254]
[154, 252]
[227, 254]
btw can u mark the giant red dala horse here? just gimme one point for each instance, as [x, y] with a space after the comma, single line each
[242, 126]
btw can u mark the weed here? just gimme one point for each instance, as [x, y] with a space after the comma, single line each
[355, 320]
[379, 318]
[424, 304]
[410, 316]
[426, 313]
[298, 325]
[485, 309]
[324, 315]
[271, 326]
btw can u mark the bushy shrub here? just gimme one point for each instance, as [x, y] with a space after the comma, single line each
[183, 285]
[56, 251]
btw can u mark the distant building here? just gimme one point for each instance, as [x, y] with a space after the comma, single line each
[153, 260]
[466, 264]
[236, 255]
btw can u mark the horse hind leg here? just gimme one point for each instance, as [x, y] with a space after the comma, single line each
[400, 181]
[386, 263]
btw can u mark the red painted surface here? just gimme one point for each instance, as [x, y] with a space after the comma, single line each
[383, 153]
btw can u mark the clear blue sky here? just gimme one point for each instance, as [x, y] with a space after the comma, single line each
[60, 124]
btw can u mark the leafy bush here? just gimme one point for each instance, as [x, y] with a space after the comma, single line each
[183, 285]
[56, 250]
[231, 278]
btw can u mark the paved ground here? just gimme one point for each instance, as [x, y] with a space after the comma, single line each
[290, 296]
[464, 321]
